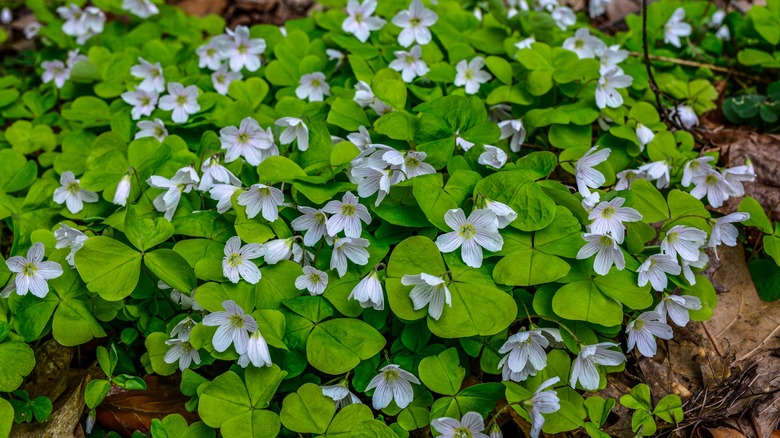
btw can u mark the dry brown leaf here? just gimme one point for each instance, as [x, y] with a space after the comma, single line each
[742, 324]
[127, 411]
[720, 432]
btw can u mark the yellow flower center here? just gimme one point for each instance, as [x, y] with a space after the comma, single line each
[711, 180]
[348, 210]
[672, 237]
[608, 212]
[236, 321]
[390, 375]
[243, 138]
[29, 269]
[467, 231]
[462, 432]
[181, 100]
[235, 260]
[73, 187]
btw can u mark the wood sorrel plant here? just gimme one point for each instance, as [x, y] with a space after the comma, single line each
[326, 227]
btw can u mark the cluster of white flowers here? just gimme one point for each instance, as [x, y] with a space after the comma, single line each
[82, 23]
[58, 71]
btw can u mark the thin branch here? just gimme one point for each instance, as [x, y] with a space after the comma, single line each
[653, 86]
[712, 67]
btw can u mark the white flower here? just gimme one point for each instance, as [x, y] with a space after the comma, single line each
[611, 58]
[392, 383]
[526, 43]
[499, 112]
[241, 51]
[31, 30]
[584, 44]
[277, 250]
[262, 198]
[361, 139]
[313, 221]
[470, 425]
[346, 215]
[233, 327]
[222, 78]
[340, 394]
[183, 181]
[625, 177]
[590, 201]
[359, 21]
[606, 89]
[507, 374]
[373, 179]
[493, 156]
[123, 189]
[735, 176]
[644, 329]
[607, 252]
[215, 173]
[428, 291]
[364, 97]
[248, 140]
[257, 350]
[210, 55]
[514, 130]
[598, 7]
[658, 171]
[183, 328]
[686, 114]
[723, 232]
[504, 213]
[83, 24]
[313, 87]
[677, 307]
[148, 128]
[684, 241]
[470, 74]
[237, 262]
[412, 165]
[525, 347]
[714, 186]
[409, 63]
[415, 22]
[352, 248]
[697, 167]
[55, 71]
[182, 101]
[223, 194]
[71, 193]
[313, 280]
[544, 401]
[69, 237]
[368, 292]
[584, 368]
[141, 8]
[183, 352]
[143, 102]
[676, 28]
[32, 272]
[186, 302]
[700, 263]
[335, 55]
[152, 75]
[655, 268]
[608, 218]
[564, 17]
[6, 16]
[644, 135]
[479, 231]
[587, 177]
[462, 142]
[295, 130]
[723, 33]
